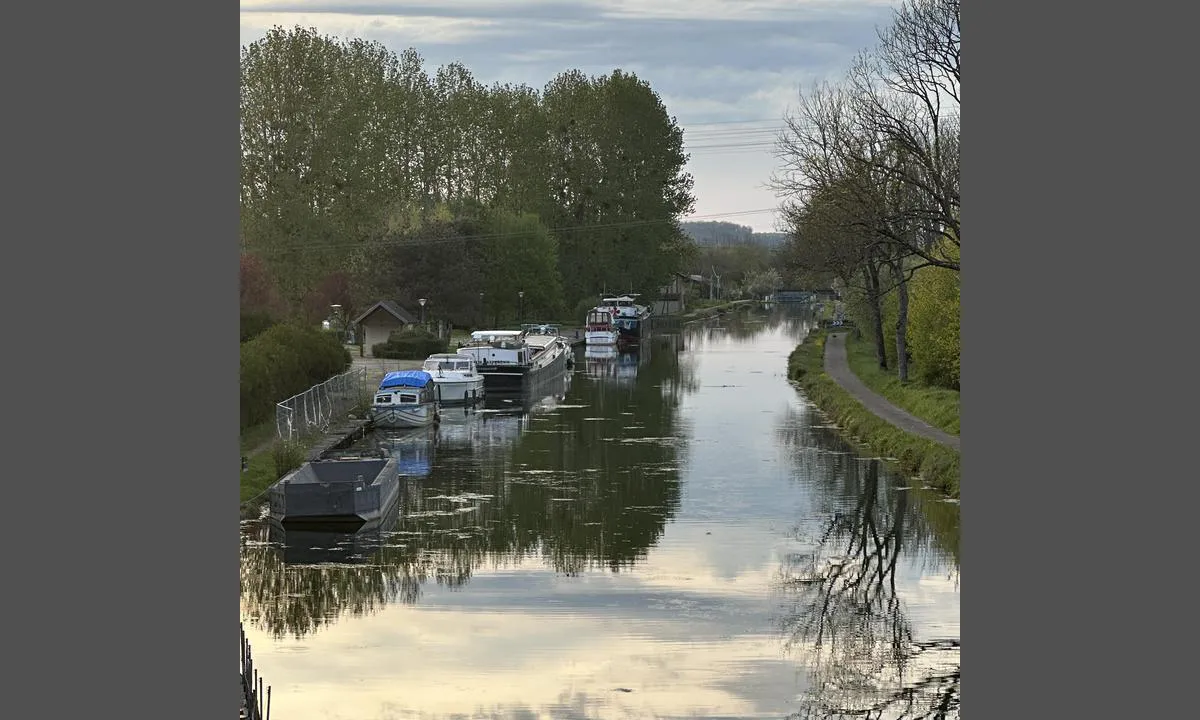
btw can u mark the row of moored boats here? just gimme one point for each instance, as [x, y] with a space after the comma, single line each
[499, 361]
[616, 321]
[496, 361]
[491, 362]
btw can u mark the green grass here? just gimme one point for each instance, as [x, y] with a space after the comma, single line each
[273, 460]
[255, 437]
[264, 468]
[936, 406]
[259, 476]
[937, 465]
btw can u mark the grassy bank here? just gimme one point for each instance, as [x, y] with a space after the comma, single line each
[710, 308]
[936, 406]
[265, 468]
[937, 465]
[254, 438]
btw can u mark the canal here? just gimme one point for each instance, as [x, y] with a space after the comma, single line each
[676, 533]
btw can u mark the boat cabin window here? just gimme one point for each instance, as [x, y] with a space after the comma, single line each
[408, 398]
[380, 399]
[462, 365]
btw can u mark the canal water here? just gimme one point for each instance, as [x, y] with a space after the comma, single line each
[671, 534]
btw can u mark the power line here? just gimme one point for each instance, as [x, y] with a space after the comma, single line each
[686, 125]
[407, 242]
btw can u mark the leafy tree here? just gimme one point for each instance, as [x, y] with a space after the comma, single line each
[934, 325]
[257, 288]
[616, 182]
[313, 151]
[522, 256]
[433, 255]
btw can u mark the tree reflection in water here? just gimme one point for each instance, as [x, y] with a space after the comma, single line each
[578, 489]
[866, 661]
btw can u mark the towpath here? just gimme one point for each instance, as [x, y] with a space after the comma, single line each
[838, 367]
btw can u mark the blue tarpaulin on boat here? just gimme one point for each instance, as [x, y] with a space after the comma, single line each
[406, 378]
[418, 467]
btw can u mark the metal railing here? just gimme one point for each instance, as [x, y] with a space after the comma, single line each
[313, 410]
[255, 705]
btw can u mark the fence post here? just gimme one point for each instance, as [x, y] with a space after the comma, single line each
[319, 404]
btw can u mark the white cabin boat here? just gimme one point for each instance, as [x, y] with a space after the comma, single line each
[405, 399]
[599, 329]
[456, 379]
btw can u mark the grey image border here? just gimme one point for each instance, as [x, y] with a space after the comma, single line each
[122, 584]
[1054, 519]
[132, 593]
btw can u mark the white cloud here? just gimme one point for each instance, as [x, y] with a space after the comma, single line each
[711, 60]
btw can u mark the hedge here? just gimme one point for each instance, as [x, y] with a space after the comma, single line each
[282, 361]
[409, 345]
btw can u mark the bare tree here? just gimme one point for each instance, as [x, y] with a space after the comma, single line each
[894, 119]
[906, 93]
[868, 663]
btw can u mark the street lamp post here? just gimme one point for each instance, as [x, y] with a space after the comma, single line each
[337, 316]
[422, 302]
[521, 306]
[481, 310]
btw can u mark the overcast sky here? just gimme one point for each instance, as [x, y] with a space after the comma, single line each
[726, 69]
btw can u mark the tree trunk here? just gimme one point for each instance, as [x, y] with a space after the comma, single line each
[901, 321]
[874, 300]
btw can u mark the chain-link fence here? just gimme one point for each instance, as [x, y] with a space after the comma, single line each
[375, 369]
[313, 410]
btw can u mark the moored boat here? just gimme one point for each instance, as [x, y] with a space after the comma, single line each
[336, 491]
[629, 318]
[405, 399]
[599, 329]
[456, 379]
[512, 360]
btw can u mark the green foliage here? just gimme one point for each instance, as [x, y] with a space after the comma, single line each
[254, 324]
[409, 344]
[521, 255]
[937, 406]
[282, 361]
[356, 160]
[286, 456]
[933, 324]
[939, 466]
[582, 308]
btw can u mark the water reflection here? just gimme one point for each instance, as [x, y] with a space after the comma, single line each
[569, 480]
[690, 540]
[864, 658]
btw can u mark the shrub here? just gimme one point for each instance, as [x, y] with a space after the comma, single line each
[933, 326]
[254, 324]
[409, 344]
[282, 361]
[286, 456]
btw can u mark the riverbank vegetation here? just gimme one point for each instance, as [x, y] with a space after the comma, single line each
[937, 465]
[284, 360]
[366, 176]
[936, 405]
[870, 178]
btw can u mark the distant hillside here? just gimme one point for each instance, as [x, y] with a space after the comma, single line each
[726, 233]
